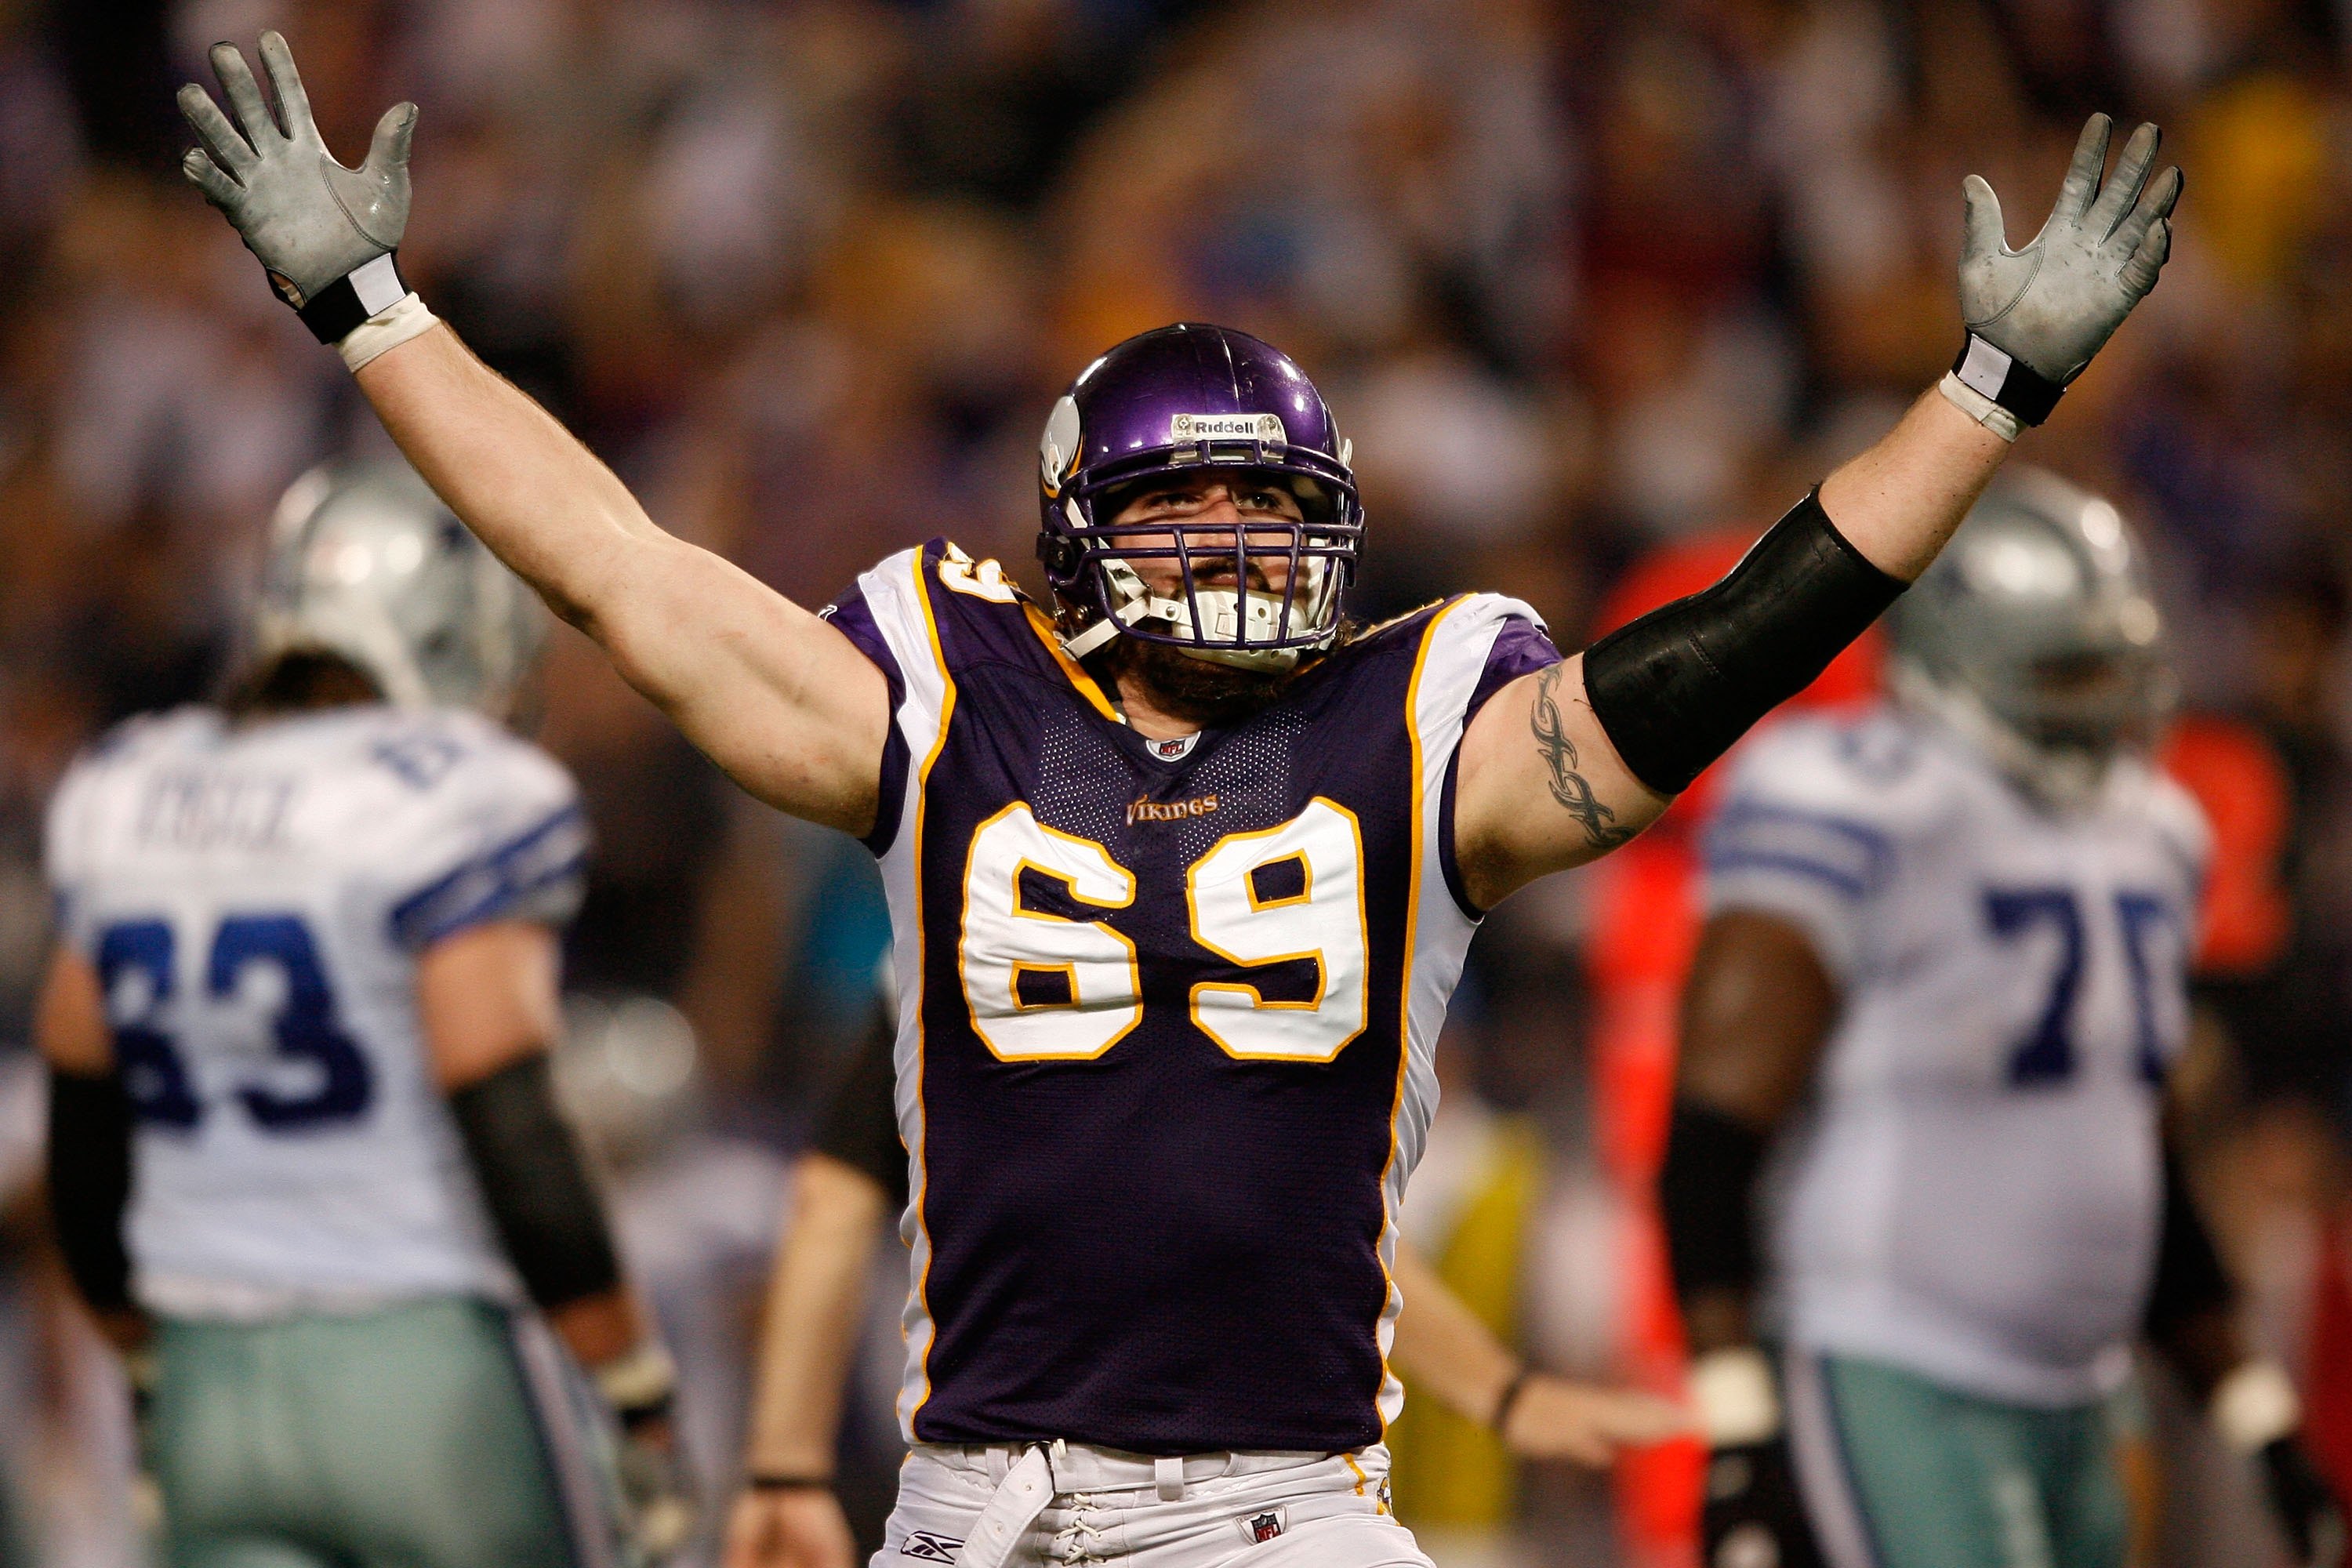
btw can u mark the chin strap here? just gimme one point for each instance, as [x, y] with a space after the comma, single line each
[1093, 639]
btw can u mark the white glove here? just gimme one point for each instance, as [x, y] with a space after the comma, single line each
[324, 233]
[2045, 309]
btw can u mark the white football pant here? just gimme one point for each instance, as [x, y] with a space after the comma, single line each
[1063, 1503]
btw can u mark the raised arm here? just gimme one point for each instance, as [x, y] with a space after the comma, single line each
[1569, 762]
[773, 695]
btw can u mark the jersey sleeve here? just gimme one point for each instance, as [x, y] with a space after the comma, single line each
[859, 1126]
[499, 835]
[881, 615]
[69, 850]
[1808, 830]
[1484, 642]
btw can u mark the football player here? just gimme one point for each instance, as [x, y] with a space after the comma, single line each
[1182, 868]
[1926, 1038]
[856, 1176]
[298, 1025]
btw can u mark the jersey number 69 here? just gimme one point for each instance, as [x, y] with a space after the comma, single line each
[1043, 986]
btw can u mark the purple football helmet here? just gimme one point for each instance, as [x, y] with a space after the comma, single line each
[1186, 397]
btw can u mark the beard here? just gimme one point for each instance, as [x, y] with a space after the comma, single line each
[1217, 695]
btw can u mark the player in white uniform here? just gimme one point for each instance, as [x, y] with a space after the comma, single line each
[1947, 963]
[297, 1023]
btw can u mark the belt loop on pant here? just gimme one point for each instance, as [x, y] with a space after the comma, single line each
[1167, 1478]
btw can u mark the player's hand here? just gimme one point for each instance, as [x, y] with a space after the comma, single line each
[2307, 1507]
[1553, 1418]
[312, 221]
[2053, 303]
[1754, 1517]
[143, 1374]
[663, 1509]
[788, 1526]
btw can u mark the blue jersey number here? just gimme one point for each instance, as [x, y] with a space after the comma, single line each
[155, 1076]
[2047, 1054]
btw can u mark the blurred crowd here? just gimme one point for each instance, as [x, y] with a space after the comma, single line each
[1582, 281]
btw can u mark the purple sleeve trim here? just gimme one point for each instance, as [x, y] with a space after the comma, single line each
[853, 618]
[1521, 648]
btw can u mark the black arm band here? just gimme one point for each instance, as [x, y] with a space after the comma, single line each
[860, 1124]
[340, 309]
[2189, 1279]
[1676, 688]
[545, 1209]
[2011, 383]
[1707, 1198]
[90, 1182]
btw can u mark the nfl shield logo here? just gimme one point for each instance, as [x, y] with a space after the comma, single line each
[1265, 1527]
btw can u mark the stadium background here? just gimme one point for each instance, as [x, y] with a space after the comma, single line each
[1587, 284]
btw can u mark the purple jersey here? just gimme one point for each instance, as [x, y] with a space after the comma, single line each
[1168, 1013]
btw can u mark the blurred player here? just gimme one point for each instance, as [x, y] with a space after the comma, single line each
[1943, 978]
[854, 1180]
[1183, 872]
[298, 1026]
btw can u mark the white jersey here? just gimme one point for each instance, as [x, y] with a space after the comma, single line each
[1975, 1189]
[255, 899]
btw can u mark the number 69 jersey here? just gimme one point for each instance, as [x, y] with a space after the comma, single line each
[254, 898]
[1166, 1021]
[1975, 1191]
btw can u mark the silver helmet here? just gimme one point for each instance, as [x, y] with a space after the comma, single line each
[367, 564]
[2036, 634]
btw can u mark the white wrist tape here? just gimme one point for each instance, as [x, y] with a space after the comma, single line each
[404, 319]
[2256, 1406]
[1979, 407]
[639, 1378]
[1734, 1394]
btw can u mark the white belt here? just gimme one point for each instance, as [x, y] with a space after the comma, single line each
[1026, 1491]
[1039, 1472]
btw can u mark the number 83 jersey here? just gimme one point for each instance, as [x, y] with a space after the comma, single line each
[1167, 1011]
[254, 898]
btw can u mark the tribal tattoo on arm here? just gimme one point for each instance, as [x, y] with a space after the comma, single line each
[1568, 787]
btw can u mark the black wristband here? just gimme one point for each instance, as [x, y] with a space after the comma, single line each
[90, 1182]
[2190, 1282]
[546, 1210]
[1707, 1198]
[1676, 688]
[759, 1482]
[340, 309]
[2007, 380]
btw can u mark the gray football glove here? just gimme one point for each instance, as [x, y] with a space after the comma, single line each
[314, 222]
[2047, 308]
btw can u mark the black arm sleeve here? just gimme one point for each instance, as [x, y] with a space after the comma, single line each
[2189, 1279]
[1677, 686]
[90, 1182]
[547, 1212]
[860, 1124]
[1707, 1196]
